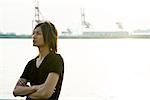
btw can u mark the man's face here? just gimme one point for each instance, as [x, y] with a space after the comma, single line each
[37, 37]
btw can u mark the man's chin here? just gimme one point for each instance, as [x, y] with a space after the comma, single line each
[35, 45]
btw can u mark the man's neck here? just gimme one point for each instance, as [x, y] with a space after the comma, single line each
[43, 51]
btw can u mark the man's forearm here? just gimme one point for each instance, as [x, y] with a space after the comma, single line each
[23, 91]
[39, 94]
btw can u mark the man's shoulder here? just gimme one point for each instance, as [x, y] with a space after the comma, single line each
[32, 60]
[55, 55]
[55, 58]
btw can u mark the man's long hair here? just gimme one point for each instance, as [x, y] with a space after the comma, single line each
[49, 34]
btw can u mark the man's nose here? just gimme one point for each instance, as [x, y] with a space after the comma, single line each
[33, 36]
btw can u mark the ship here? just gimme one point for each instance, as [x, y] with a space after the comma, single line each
[86, 32]
[85, 29]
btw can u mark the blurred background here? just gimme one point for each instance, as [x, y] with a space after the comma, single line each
[105, 45]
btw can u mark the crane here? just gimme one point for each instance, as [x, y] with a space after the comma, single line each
[37, 14]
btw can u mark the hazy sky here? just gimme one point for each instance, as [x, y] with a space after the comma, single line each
[17, 15]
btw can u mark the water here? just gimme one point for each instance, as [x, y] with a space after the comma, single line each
[95, 69]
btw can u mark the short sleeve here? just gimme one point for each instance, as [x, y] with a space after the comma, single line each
[57, 64]
[26, 72]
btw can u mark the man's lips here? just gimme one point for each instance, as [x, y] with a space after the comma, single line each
[34, 40]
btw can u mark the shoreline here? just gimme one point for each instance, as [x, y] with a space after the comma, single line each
[81, 37]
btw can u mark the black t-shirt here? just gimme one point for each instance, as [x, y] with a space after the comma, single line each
[51, 63]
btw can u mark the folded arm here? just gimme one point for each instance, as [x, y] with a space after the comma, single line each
[47, 89]
[21, 89]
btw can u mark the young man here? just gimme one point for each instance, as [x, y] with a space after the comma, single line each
[45, 72]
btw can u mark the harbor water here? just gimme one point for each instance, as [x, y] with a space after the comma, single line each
[95, 69]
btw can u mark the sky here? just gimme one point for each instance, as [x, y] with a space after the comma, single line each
[17, 15]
